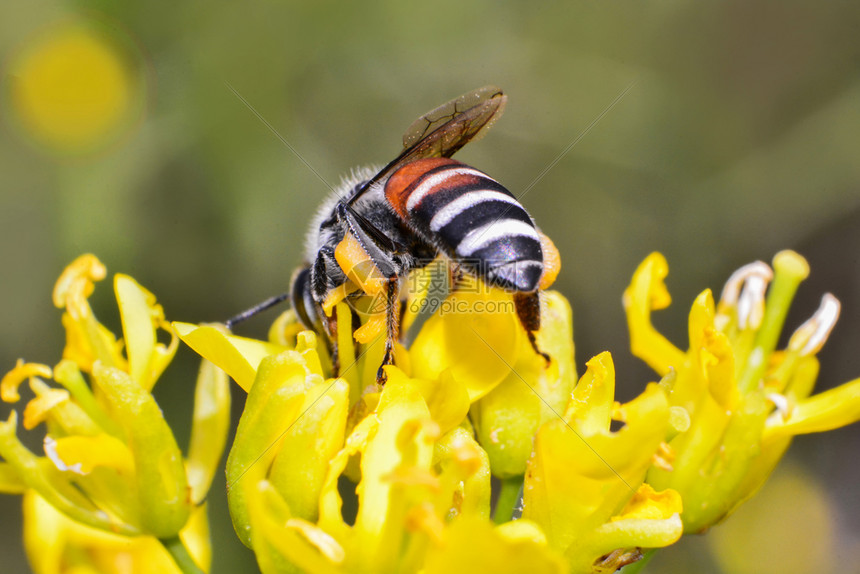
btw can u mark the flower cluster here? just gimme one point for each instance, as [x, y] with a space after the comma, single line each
[468, 400]
[745, 398]
[477, 455]
[112, 487]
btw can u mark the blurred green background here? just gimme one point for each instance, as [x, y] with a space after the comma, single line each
[739, 136]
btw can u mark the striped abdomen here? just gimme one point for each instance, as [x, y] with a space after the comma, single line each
[471, 218]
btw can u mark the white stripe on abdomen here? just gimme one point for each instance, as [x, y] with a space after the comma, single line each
[466, 201]
[430, 182]
[482, 236]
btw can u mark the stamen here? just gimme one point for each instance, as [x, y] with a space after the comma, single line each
[781, 404]
[664, 457]
[745, 292]
[810, 337]
[732, 289]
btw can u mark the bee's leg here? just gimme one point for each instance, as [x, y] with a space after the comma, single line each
[528, 311]
[331, 331]
[391, 324]
[402, 307]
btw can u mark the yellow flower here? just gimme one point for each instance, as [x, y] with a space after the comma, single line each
[745, 398]
[415, 467]
[56, 543]
[584, 486]
[111, 465]
[468, 399]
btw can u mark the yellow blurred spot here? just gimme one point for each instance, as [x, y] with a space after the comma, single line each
[787, 528]
[72, 89]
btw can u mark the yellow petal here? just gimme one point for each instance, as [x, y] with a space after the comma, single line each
[592, 399]
[331, 517]
[299, 470]
[68, 374]
[464, 474]
[84, 453]
[209, 427]
[37, 410]
[307, 345]
[139, 313]
[650, 520]
[422, 283]
[712, 359]
[162, 485]
[507, 418]
[274, 404]
[477, 335]
[53, 541]
[647, 293]
[652, 505]
[473, 545]
[88, 341]
[77, 281]
[447, 398]
[285, 328]
[825, 411]
[43, 539]
[63, 416]
[346, 351]
[196, 538]
[40, 475]
[521, 531]
[576, 481]
[402, 441]
[13, 379]
[238, 356]
[285, 544]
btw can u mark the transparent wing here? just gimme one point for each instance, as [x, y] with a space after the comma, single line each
[444, 130]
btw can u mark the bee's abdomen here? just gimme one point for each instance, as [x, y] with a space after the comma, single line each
[472, 217]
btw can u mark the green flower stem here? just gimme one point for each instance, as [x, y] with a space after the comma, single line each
[180, 555]
[789, 270]
[509, 495]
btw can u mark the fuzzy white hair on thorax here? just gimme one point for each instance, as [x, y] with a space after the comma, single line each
[315, 237]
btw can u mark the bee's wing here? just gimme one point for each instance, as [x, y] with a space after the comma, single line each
[444, 130]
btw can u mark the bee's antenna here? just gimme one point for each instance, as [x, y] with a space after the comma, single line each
[256, 309]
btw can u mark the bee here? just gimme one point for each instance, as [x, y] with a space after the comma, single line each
[378, 226]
